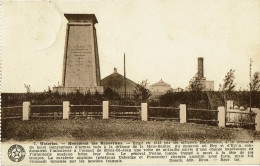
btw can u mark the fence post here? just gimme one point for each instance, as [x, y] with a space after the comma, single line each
[183, 113]
[66, 110]
[144, 111]
[26, 110]
[257, 121]
[221, 117]
[105, 109]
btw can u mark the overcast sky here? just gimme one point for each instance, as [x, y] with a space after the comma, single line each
[161, 39]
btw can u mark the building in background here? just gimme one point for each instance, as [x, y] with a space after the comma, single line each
[115, 81]
[199, 80]
[160, 88]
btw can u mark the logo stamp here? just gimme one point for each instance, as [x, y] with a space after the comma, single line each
[16, 153]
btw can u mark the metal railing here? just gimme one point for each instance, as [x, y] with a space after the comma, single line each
[243, 119]
[90, 111]
[125, 111]
[202, 116]
[181, 114]
[14, 112]
[46, 111]
[164, 113]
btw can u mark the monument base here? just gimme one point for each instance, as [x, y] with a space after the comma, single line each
[84, 90]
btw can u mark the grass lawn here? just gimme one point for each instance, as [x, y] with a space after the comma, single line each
[118, 130]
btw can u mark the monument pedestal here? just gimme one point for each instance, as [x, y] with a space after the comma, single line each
[81, 70]
[84, 90]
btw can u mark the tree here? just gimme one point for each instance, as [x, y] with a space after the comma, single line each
[255, 82]
[141, 92]
[196, 85]
[28, 88]
[228, 85]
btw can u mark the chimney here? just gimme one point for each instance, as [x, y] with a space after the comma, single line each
[115, 70]
[200, 67]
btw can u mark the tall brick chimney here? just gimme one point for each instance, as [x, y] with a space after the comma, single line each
[200, 67]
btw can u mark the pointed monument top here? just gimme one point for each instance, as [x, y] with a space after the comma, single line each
[81, 17]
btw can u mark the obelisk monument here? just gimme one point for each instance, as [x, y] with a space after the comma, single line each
[81, 70]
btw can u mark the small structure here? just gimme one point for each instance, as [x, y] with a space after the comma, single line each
[160, 88]
[116, 82]
[178, 90]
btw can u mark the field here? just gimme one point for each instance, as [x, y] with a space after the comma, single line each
[118, 130]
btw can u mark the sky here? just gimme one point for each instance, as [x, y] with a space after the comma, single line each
[161, 40]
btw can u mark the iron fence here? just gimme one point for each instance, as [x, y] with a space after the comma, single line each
[89, 111]
[164, 113]
[204, 116]
[46, 111]
[240, 119]
[122, 111]
[14, 112]
[129, 95]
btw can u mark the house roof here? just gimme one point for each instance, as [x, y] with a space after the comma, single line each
[160, 83]
[116, 82]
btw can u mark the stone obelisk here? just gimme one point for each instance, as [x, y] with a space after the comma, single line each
[81, 70]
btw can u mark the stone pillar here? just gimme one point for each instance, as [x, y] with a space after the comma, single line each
[105, 109]
[183, 113]
[221, 117]
[26, 110]
[144, 112]
[230, 104]
[82, 25]
[257, 120]
[66, 110]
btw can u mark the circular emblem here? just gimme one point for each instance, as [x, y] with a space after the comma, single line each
[16, 153]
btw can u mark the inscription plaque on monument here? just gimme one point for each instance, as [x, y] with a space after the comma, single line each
[81, 70]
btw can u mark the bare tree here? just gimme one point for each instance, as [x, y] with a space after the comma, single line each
[28, 88]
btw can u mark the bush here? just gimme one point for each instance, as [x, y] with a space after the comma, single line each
[174, 99]
[111, 94]
[193, 99]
